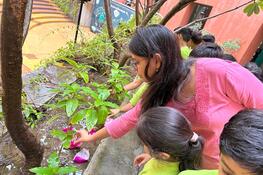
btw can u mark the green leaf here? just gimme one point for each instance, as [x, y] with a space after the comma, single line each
[53, 160]
[67, 170]
[249, 9]
[102, 114]
[78, 116]
[71, 106]
[59, 134]
[91, 119]
[84, 76]
[44, 170]
[110, 104]
[66, 142]
[256, 9]
[71, 62]
[103, 94]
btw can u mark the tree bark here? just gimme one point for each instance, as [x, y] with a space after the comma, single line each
[152, 12]
[11, 55]
[179, 6]
[115, 44]
[137, 13]
[124, 59]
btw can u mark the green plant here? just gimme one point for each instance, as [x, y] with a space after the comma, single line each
[31, 115]
[80, 69]
[117, 79]
[72, 97]
[254, 8]
[64, 137]
[98, 108]
[53, 167]
[231, 45]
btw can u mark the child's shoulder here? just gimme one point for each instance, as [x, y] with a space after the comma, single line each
[199, 172]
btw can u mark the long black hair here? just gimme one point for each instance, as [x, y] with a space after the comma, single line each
[242, 140]
[164, 129]
[165, 84]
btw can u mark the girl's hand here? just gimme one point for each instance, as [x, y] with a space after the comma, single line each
[114, 112]
[83, 136]
[142, 159]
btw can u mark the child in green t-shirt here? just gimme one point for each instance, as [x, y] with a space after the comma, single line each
[172, 145]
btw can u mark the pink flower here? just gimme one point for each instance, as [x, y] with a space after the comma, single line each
[73, 145]
[82, 156]
[92, 131]
[69, 128]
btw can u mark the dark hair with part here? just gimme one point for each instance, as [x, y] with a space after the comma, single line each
[166, 83]
[242, 140]
[209, 38]
[254, 69]
[210, 50]
[228, 57]
[164, 129]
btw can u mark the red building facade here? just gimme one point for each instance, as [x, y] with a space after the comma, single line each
[230, 26]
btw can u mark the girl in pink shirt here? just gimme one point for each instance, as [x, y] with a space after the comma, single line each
[207, 91]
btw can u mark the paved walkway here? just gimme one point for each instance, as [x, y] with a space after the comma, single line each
[49, 30]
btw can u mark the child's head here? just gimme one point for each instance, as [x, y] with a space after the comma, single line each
[157, 57]
[241, 144]
[254, 69]
[228, 57]
[209, 38]
[169, 136]
[209, 50]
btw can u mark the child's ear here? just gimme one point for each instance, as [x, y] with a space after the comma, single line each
[158, 60]
[164, 156]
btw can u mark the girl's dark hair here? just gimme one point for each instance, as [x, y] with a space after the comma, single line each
[189, 34]
[165, 84]
[228, 57]
[186, 33]
[164, 129]
[210, 50]
[196, 37]
[209, 38]
[254, 69]
[241, 140]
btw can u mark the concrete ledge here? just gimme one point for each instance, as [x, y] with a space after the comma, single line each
[115, 156]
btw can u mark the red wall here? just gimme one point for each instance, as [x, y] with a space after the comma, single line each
[233, 25]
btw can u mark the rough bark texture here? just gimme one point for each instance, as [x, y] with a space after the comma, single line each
[152, 12]
[124, 59]
[11, 54]
[179, 6]
[137, 13]
[116, 46]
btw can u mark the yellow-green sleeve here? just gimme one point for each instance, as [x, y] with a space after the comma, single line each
[138, 94]
[185, 52]
[199, 172]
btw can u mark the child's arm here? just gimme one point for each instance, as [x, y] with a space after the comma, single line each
[83, 136]
[136, 83]
[123, 108]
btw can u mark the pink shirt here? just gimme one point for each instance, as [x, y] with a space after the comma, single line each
[222, 89]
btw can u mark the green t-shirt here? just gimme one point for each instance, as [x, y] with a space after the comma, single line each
[159, 167]
[138, 94]
[199, 172]
[185, 52]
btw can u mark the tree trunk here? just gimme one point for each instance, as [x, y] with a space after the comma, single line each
[137, 13]
[11, 55]
[152, 12]
[179, 6]
[124, 59]
[116, 46]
